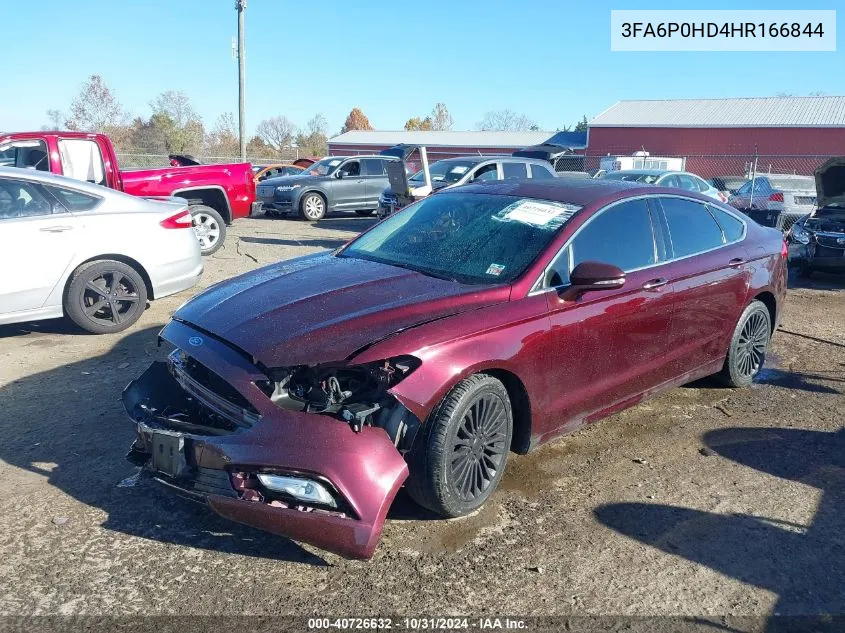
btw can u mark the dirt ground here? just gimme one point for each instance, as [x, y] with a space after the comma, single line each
[704, 501]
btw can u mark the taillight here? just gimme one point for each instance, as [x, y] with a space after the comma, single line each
[181, 220]
[776, 197]
[784, 250]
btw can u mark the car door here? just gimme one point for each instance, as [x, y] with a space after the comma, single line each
[485, 171]
[610, 343]
[375, 175]
[670, 180]
[512, 170]
[37, 244]
[710, 275]
[350, 191]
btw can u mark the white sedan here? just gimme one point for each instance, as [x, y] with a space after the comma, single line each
[95, 255]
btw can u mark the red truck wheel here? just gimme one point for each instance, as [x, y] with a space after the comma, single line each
[209, 227]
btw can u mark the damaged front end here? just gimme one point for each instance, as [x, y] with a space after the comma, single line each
[817, 241]
[314, 453]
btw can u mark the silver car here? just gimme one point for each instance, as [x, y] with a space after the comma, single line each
[665, 178]
[93, 254]
[776, 200]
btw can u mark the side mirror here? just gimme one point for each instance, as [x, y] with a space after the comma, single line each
[339, 174]
[596, 276]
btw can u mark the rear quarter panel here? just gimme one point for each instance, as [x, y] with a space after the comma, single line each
[235, 180]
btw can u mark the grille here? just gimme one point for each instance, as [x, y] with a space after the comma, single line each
[831, 242]
[212, 391]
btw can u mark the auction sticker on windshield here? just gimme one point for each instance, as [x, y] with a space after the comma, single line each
[538, 213]
[495, 269]
[459, 169]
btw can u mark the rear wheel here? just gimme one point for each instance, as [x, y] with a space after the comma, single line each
[105, 296]
[312, 207]
[459, 460]
[209, 227]
[747, 351]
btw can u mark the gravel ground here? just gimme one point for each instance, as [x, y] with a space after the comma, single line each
[704, 501]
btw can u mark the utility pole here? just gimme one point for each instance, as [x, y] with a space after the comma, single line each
[240, 5]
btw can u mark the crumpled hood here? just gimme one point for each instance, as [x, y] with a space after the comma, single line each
[321, 308]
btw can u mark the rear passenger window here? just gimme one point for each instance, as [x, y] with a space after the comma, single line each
[731, 226]
[373, 167]
[514, 170]
[75, 200]
[538, 171]
[691, 227]
[621, 235]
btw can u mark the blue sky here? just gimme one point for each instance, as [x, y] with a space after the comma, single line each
[549, 59]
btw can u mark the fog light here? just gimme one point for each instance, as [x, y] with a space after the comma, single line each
[303, 489]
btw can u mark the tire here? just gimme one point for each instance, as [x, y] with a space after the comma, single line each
[312, 207]
[105, 296]
[209, 227]
[749, 343]
[365, 212]
[450, 473]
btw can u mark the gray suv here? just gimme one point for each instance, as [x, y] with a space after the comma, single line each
[335, 183]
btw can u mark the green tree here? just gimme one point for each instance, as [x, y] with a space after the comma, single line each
[313, 139]
[416, 123]
[582, 125]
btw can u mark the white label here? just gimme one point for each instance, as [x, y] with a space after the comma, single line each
[535, 212]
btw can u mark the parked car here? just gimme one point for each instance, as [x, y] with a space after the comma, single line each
[453, 172]
[776, 200]
[216, 194]
[95, 255]
[336, 183]
[728, 185]
[665, 178]
[263, 172]
[817, 241]
[492, 317]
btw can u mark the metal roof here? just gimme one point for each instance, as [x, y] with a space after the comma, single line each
[742, 112]
[440, 138]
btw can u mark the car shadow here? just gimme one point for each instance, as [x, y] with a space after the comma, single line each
[307, 242]
[47, 326]
[71, 418]
[345, 223]
[820, 280]
[804, 565]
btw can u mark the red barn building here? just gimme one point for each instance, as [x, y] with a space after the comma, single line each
[720, 136]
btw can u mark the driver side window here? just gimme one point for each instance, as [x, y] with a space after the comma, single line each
[488, 172]
[352, 168]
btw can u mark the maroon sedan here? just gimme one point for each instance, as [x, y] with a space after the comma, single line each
[301, 396]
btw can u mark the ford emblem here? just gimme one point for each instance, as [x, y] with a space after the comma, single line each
[196, 341]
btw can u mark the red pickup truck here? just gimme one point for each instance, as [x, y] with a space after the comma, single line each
[217, 194]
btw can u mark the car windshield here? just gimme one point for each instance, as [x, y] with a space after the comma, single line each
[450, 171]
[323, 167]
[468, 238]
[790, 183]
[632, 176]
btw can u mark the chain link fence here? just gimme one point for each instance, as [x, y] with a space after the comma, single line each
[141, 160]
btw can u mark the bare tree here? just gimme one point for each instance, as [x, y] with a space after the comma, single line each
[277, 132]
[313, 140]
[177, 123]
[440, 117]
[96, 109]
[505, 120]
[223, 138]
[356, 120]
[54, 118]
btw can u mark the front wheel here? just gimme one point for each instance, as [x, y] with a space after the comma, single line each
[209, 227]
[459, 460]
[747, 351]
[312, 207]
[105, 296]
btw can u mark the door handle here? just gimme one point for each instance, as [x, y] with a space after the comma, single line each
[56, 229]
[654, 284]
[736, 262]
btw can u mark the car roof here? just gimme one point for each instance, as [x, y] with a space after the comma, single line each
[477, 160]
[582, 192]
[48, 178]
